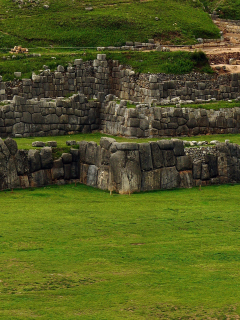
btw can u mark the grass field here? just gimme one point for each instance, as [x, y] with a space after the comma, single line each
[74, 252]
[26, 143]
[142, 62]
[111, 23]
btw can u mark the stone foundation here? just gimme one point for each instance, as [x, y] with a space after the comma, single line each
[120, 167]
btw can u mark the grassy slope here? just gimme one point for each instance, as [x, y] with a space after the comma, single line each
[67, 23]
[228, 9]
[154, 62]
[78, 253]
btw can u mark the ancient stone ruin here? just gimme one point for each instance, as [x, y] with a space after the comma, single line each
[121, 167]
[99, 94]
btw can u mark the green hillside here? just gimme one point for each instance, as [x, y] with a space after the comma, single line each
[228, 9]
[68, 23]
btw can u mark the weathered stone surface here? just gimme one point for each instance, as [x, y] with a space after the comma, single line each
[170, 178]
[178, 147]
[103, 178]
[24, 182]
[184, 163]
[169, 158]
[74, 170]
[11, 145]
[145, 156]
[222, 165]
[212, 165]
[46, 158]
[38, 144]
[67, 158]
[106, 142]
[205, 172]
[117, 162]
[157, 155]
[57, 170]
[34, 160]
[83, 173]
[40, 178]
[125, 172]
[91, 150]
[186, 179]
[12, 175]
[127, 146]
[67, 171]
[82, 150]
[197, 169]
[151, 180]
[21, 162]
[92, 176]
[166, 144]
[75, 154]
[105, 156]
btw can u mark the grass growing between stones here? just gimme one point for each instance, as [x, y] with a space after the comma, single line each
[210, 105]
[74, 252]
[26, 143]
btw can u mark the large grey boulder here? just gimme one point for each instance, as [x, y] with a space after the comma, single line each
[106, 142]
[127, 146]
[75, 154]
[184, 163]
[145, 156]
[157, 155]
[11, 145]
[169, 158]
[91, 150]
[67, 158]
[178, 147]
[21, 162]
[82, 150]
[205, 172]
[34, 160]
[103, 177]
[197, 169]
[125, 172]
[46, 158]
[92, 176]
[12, 176]
[170, 178]
[40, 178]
[57, 169]
[151, 180]
[212, 165]
[186, 179]
[74, 170]
[165, 144]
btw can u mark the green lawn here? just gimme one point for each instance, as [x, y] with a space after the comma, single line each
[111, 23]
[26, 143]
[74, 252]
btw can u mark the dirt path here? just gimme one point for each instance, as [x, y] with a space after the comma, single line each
[224, 55]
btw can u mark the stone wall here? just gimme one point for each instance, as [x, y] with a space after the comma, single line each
[120, 167]
[102, 76]
[145, 121]
[24, 118]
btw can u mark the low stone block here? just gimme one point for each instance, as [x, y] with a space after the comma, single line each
[184, 163]
[170, 178]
